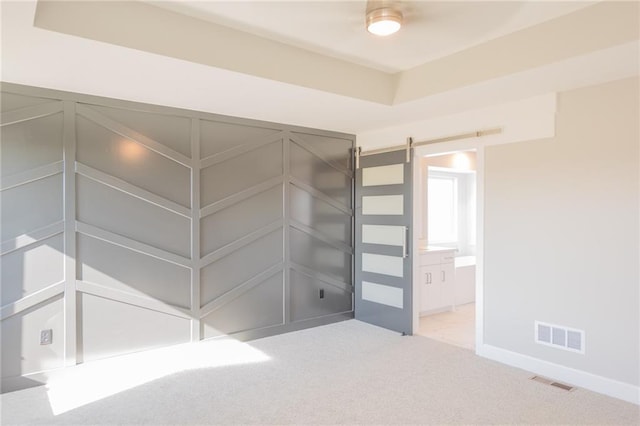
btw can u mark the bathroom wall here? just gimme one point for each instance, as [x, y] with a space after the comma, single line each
[463, 161]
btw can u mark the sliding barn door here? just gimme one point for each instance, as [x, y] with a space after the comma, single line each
[383, 241]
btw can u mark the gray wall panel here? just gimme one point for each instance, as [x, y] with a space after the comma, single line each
[244, 171]
[117, 212]
[241, 265]
[232, 223]
[112, 328]
[320, 215]
[31, 144]
[332, 149]
[13, 101]
[306, 302]
[32, 268]
[317, 173]
[261, 306]
[21, 350]
[144, 267]
[29, 207]
[217, 137]
[320, 256]
[169, 130]
[132, 162]
[122, 269]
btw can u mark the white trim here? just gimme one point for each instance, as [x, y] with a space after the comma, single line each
[197, 331]
[479, 247]
[417, 235]
[579, 378]
[69, 203]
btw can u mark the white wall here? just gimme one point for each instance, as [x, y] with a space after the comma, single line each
[530, 118]
[561, 228]
[561, 234]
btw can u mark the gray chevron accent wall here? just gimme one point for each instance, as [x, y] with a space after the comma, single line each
[128, 226]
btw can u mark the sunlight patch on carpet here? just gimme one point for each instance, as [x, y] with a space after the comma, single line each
[93, 381]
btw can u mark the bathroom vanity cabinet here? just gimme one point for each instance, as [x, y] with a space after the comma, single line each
[437, 279]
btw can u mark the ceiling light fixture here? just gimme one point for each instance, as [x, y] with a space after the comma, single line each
[383, 18]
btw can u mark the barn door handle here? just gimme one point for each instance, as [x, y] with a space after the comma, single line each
[405, 238]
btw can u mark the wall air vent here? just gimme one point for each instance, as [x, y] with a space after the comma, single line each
[559, 337]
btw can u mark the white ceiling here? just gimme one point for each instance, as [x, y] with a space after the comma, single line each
[432, 29]
[64, 61]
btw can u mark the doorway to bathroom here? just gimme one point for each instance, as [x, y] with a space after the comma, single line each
[446, 211]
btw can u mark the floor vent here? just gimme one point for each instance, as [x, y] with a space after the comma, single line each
[550, 382]
[559, 337]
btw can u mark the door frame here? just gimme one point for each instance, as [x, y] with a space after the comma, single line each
[438, 149]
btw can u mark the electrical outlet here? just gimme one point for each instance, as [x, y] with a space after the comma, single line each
[46, 337]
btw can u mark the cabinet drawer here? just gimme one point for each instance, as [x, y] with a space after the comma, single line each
[437, 258]
[447, 257]
[430, 259]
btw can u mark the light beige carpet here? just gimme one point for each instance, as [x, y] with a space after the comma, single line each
[344, 373]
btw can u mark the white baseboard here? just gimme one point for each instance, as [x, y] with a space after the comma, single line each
[578, 378]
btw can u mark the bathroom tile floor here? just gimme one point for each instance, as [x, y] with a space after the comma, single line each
[454, 327]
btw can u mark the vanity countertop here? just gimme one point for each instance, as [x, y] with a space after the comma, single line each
[433, 249]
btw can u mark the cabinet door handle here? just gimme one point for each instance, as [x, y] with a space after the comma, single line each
[443, 279]
[428, 277]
